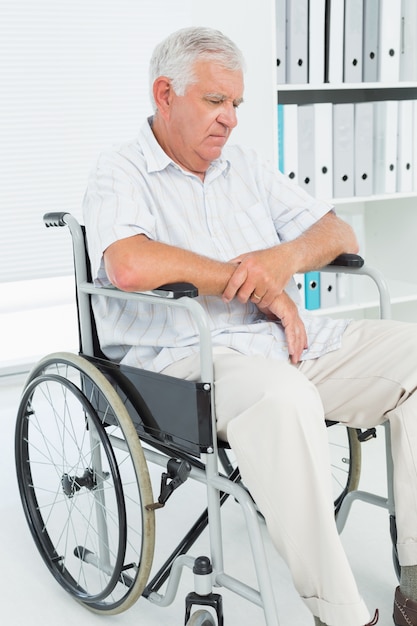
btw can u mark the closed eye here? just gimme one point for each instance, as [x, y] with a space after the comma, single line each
[215, 100]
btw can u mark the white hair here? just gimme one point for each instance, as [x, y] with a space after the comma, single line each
[176, 55]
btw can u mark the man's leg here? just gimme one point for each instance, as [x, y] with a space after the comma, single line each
[372, 378]
[273, 418]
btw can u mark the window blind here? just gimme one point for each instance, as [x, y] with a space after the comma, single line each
[73, 80]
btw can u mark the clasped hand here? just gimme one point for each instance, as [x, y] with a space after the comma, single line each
[259, 277]
[263, 272]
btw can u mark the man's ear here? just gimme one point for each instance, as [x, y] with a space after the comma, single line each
[162, 93]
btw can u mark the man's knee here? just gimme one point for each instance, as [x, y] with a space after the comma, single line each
[262, 389]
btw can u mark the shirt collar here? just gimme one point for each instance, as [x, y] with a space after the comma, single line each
[157, 159]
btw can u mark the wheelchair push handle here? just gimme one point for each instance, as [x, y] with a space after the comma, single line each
[55, 219]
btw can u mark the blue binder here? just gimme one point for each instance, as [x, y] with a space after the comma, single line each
[281, 138]
[312, 290]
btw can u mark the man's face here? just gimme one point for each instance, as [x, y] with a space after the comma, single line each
[201, 121]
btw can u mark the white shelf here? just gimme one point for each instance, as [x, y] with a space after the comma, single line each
[374, 198]
[310, 93]
[400, 293]
[344, 86]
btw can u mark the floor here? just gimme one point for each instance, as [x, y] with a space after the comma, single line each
[31, 596]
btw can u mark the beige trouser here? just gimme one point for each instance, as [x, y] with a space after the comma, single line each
[272, 414]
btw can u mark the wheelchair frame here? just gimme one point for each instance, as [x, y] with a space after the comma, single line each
[208, 572]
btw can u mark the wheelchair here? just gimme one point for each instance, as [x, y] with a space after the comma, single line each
[87, 432]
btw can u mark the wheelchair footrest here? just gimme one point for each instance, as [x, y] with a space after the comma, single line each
[175, 476]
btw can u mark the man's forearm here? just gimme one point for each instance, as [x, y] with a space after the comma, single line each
[140, 264]
[320, 244]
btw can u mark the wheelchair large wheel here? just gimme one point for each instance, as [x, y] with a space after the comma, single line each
[84, 483]
[346, 461]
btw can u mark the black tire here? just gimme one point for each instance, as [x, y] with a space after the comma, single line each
[395, 559]
[346, 461]
[84, 483]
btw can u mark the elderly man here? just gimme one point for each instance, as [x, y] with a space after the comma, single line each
[178, 204]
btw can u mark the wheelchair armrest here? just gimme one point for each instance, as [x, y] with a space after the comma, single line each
[355, 264]
[176, 290]
[348, 260]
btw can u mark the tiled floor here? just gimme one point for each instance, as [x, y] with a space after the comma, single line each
[31, 596]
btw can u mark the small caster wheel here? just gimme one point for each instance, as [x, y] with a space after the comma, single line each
[201, 618]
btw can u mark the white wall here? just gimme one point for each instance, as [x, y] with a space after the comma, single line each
[31, 324]
[74, 80]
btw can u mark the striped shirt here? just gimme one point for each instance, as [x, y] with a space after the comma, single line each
[242, 205]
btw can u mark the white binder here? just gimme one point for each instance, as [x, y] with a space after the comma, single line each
[344, 288]
[389, 41]
[408, 58]
[353, 42]
[356, 219]
[316, 41]
[297, 41]
[328, 290]
[300, 284]
[334, 41]
[343, 152]
[414, 133]
[323, 151]
[370, 40]
[405, 146]
[281, 38]
[363, 148]
[385, 146]
[306, 148]
[290, 141]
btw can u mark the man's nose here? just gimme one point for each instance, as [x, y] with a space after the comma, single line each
[228, 116]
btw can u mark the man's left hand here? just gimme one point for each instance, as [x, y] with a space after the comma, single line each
[259, 276]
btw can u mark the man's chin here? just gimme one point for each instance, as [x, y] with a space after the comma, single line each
[214, 152]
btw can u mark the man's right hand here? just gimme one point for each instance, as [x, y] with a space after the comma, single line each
[284, 310]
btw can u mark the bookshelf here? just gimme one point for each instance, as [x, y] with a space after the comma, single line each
[389, 220]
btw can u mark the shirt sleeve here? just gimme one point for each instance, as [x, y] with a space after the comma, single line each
[293, 210]
[116, 206]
